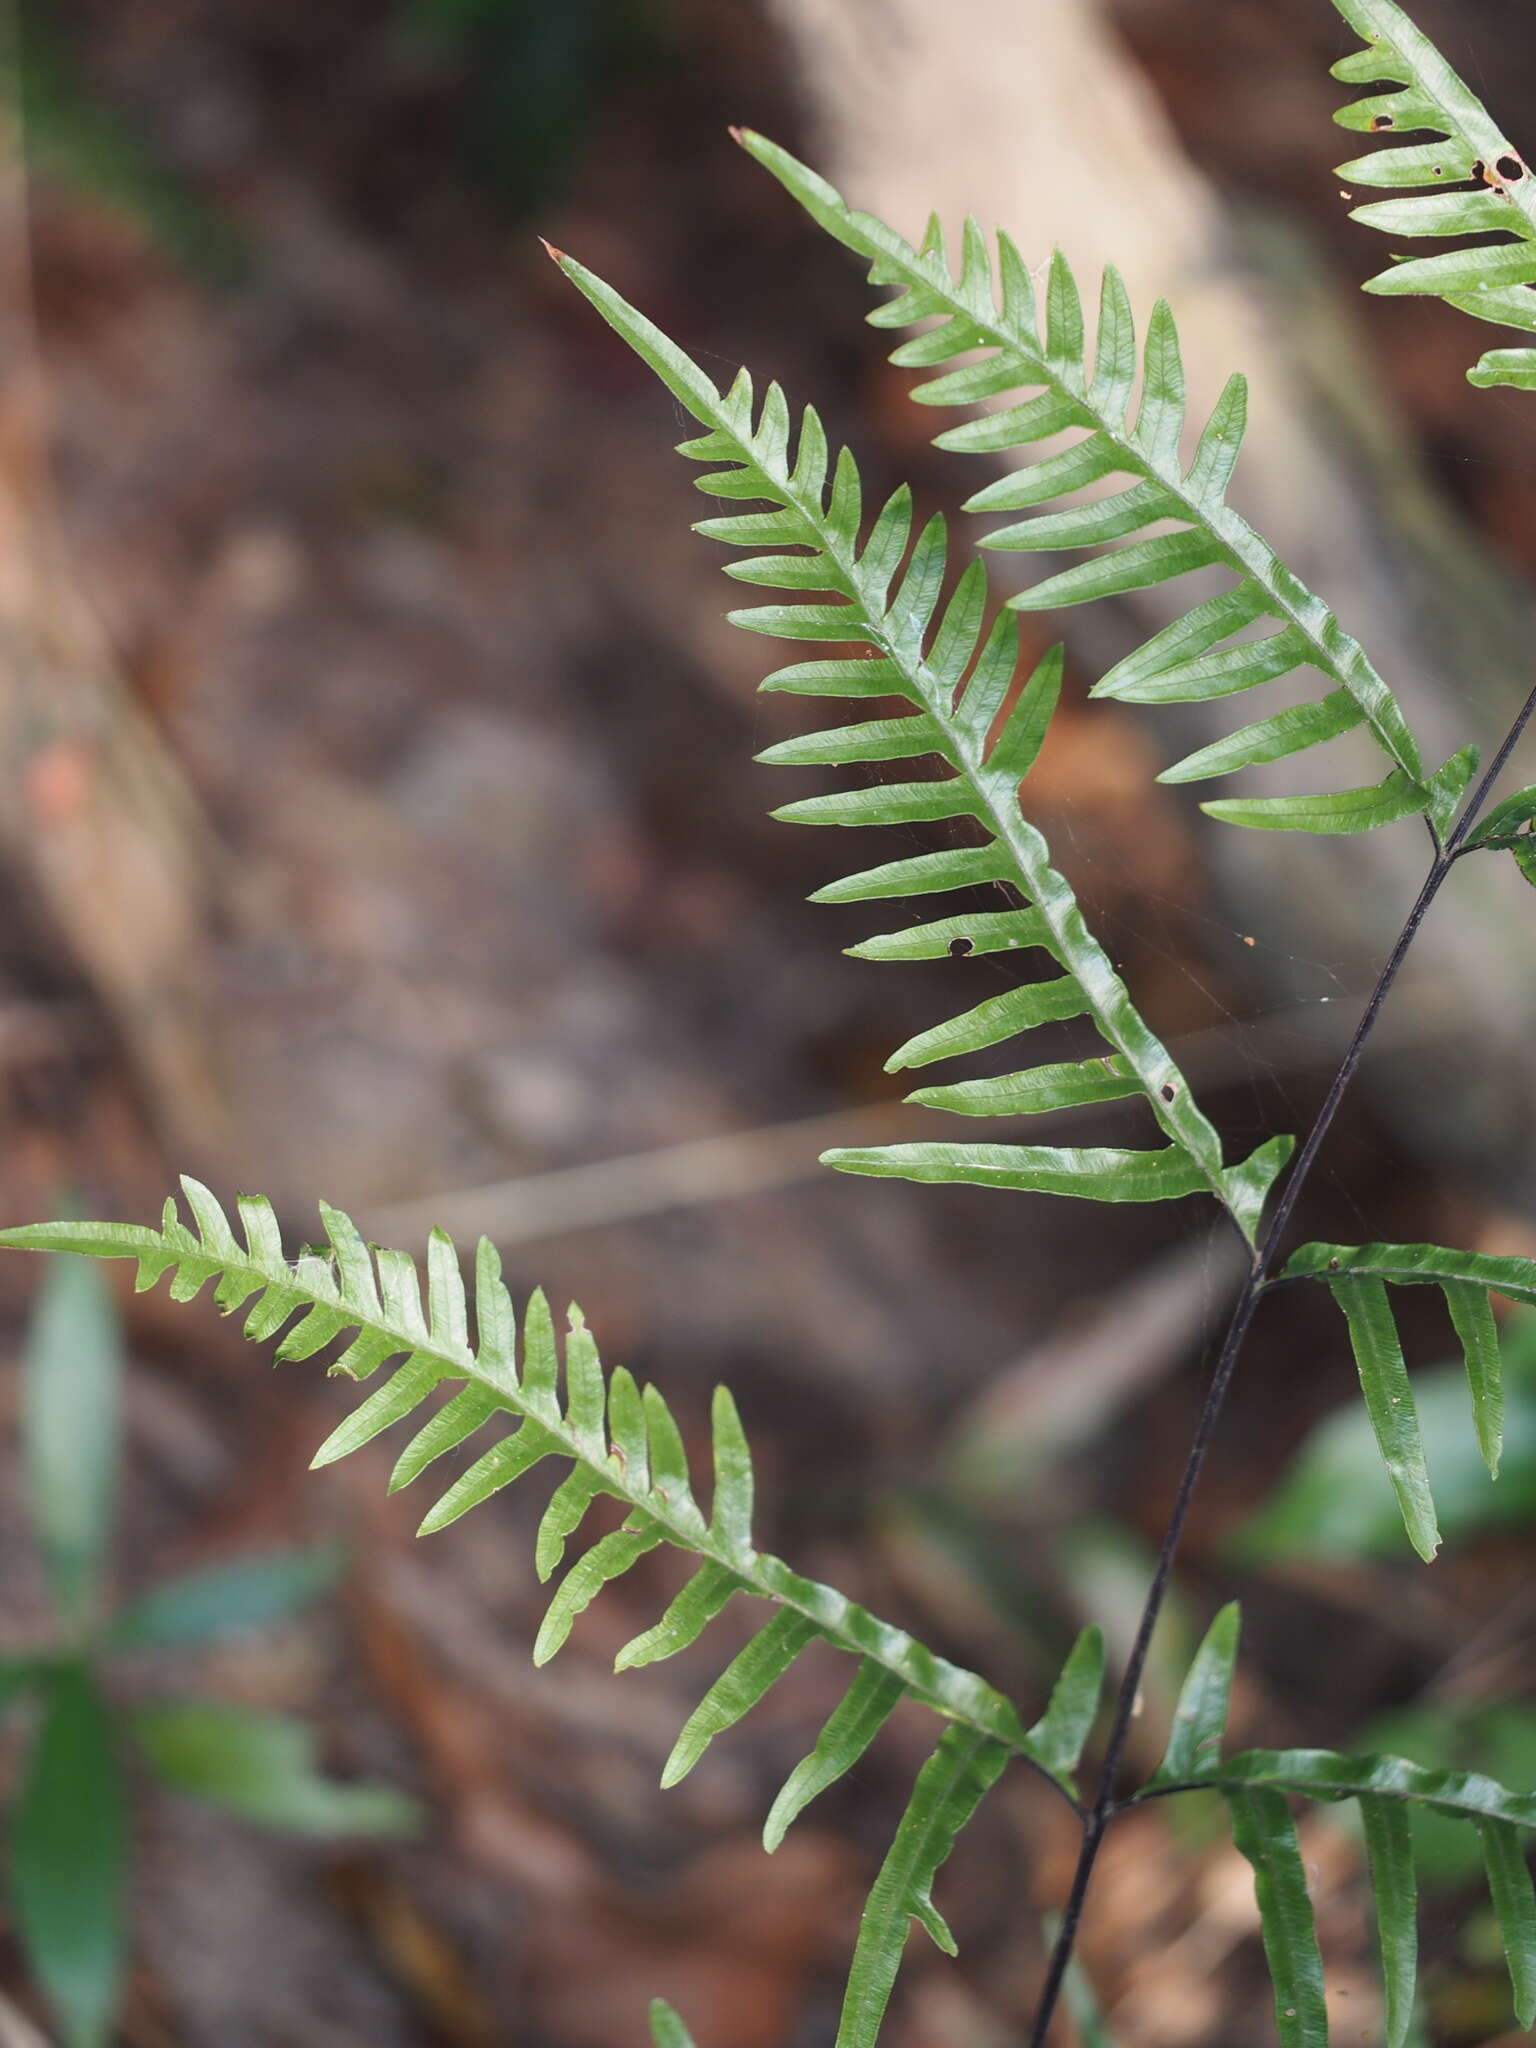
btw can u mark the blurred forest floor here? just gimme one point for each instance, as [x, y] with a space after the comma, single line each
[387, 543]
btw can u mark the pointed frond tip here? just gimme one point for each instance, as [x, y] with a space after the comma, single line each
[1491, 280]
[1029, 369]
[877, 584]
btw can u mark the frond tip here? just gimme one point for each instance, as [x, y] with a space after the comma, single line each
[874, 586]
[619, 1441]
[984, 319]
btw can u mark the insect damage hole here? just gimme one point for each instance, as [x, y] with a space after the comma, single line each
[1510, 169]
[1168, 1091]
[958, 948]
[1384, 121]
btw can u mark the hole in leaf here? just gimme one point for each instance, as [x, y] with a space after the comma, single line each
[1168, 1091]
[1383, 121]
[1510, 168]
[1480, 171]
[958, 948]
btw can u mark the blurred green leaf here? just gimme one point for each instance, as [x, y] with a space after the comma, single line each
[262, 1766]
[228, 1599]
[75, 137]
[534, 70]
[71, 1405]
[1336, 1502]
[68, 1852]
[1103, 1566]
[18, 1675]
[1081, 2001]
[667, 2029]
[1084, 2008]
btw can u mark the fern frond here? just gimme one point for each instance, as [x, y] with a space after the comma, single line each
[618, 1441]
[1198, 657]
[667, 2030]
[1358, 1277]
[1256, 1786]
[1469, 179]
[957, 674]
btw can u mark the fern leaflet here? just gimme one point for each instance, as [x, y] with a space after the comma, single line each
[667, 2030]
[1197, 657]
[950, 1786]
[1511, 826]
[957, 674]
[1359, 1276]
[619, 1441]
[1257, 1785]
[1491, 281]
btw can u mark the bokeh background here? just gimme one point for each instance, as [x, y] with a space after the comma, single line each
[379, 822]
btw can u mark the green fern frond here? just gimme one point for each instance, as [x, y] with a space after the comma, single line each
[619, 1441]
[667, 2030]
[957, 674]
[1491, 281]
[1358, 1277]
[1257, 1785]
[1198, 657]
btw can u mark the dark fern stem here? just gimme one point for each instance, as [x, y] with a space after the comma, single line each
[1100, 1814]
